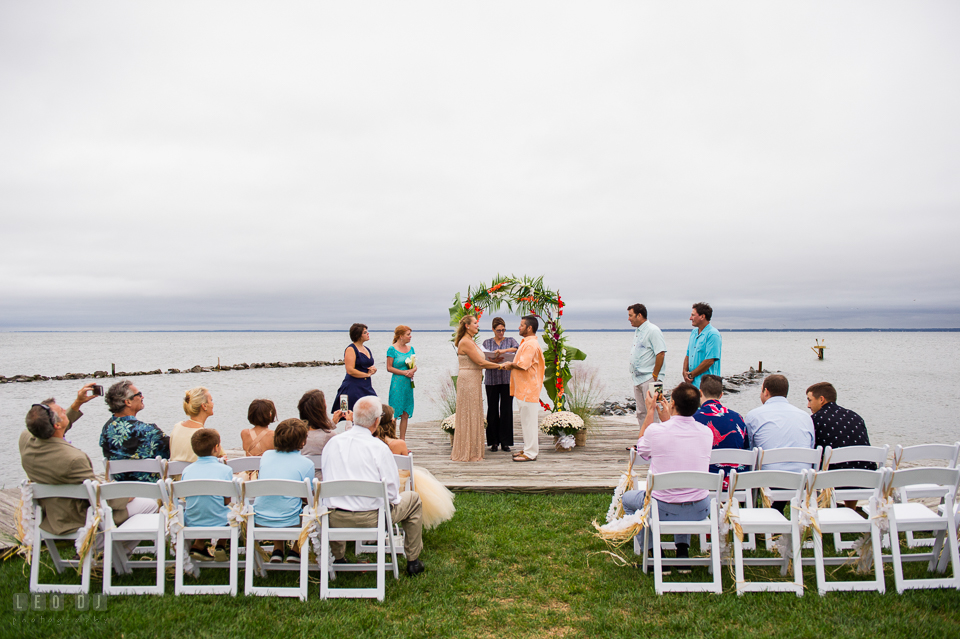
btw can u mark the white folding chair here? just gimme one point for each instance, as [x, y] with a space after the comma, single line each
[740, 457]
[216, 488]
[769, 521]
[381, 533]
[656, 528]
[909, 516]
[831, 456]
[941, 455]
[116, 466]
[173, 468]
[404, 462]
[142, 527]
[244, 464]
[82, 492]
[839, 520]
[809, 456]
[276, 488]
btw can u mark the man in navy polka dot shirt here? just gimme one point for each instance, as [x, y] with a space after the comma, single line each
[836, 426]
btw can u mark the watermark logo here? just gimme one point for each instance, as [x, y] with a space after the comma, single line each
[57, 602]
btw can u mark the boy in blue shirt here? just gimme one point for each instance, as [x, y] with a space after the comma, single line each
[207, 510]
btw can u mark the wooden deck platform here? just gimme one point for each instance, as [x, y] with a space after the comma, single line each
[595, 468]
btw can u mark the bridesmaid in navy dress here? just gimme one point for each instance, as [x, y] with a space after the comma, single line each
[358, 361]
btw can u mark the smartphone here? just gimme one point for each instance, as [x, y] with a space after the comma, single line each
[98, 390]
[657, 388]
[344, 403]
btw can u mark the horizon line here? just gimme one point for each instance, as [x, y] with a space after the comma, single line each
[440, 330]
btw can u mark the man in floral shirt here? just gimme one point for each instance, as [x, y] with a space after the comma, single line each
[126, 437]
[727, 426]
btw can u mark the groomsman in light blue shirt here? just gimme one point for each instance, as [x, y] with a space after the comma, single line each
[703, 348]
[646, 357]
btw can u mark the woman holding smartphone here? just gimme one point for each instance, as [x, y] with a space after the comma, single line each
[358, 360]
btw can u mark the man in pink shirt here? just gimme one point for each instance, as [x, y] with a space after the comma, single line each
[679, 443]
[526, 380]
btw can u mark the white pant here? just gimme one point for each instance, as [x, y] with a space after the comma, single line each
[529, 428]
[136, 506]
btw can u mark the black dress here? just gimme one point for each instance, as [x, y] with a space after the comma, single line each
[355, 388]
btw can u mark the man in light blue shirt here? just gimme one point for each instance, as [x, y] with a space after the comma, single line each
[703, 348]
[646, 357]
[779, 424]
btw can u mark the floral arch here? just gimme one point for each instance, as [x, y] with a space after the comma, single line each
[527, 296]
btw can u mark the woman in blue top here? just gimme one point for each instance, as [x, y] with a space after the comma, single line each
[285, 462]
[358, 360]
[401, 361]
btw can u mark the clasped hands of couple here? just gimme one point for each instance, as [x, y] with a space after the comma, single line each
[502, 366]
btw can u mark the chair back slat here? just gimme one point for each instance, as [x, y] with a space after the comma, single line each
[787, 455]
[203, 487]
[874, 454]
[67, 491]
[780, 479]
[685, 479]
[244, 464]
[946, 477]
[351, 488]
[734, 456]
[853, 478]
[278, 487]
[115, 466]
[117, 489]
[946, 453]
[172, 468]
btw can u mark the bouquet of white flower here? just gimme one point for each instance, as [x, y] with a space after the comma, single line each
[411, 364]
[562, 423]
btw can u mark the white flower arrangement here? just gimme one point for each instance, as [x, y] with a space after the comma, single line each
[449, 425]
[562, 423]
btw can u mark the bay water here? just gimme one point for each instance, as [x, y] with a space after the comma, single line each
[906, 385]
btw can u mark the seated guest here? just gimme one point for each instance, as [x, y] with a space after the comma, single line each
[320, 427]
[198, 405]
[48, 458]
[726, 425]
[778, 424]
[126, 437]
[837, 427]
[259, 439]
[357, 454]
[387, 432]
[284, 462]
[206, 510]
[679, 442]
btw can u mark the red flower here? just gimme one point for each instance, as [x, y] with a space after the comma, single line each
[545, 406]
[560, 312]
[467, 305]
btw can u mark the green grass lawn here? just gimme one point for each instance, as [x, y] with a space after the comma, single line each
[505, 566]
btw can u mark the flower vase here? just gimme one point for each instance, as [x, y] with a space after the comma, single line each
[581, 437]
[558, 447]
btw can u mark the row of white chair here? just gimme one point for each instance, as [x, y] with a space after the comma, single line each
[945, 455]
[157, 527]
[804, 488]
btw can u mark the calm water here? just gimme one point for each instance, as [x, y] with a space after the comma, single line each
[905, 385]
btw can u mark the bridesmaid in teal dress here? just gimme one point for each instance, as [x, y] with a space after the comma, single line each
[401, 362]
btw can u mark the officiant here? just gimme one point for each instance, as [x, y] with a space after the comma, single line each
[497, 385]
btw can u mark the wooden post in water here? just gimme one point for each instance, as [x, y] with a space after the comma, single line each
[113, 370]
[218, 363]
[818, 349]
[760, 367]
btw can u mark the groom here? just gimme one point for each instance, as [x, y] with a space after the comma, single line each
[526, 380]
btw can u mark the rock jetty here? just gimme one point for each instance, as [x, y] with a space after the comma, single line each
[170, 371]
[731, 384]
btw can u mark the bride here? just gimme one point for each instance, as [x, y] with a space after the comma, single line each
[469, 434]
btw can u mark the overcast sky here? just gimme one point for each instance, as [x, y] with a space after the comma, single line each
[307, 165]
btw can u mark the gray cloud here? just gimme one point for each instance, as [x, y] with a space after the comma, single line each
[247, 166]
